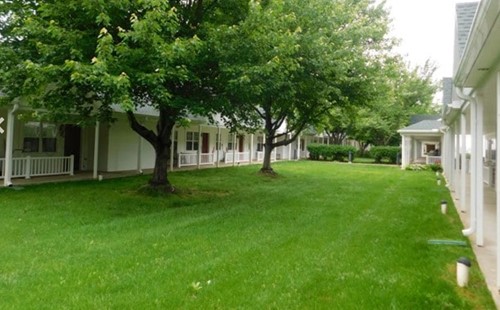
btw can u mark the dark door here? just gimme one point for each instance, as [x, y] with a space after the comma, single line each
[204, 143]
[241, 145]
[72, 139]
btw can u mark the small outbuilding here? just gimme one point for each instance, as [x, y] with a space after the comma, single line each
[421, 141]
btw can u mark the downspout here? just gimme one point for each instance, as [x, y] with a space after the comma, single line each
[469, 231]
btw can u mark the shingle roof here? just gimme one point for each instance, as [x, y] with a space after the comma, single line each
[425, 125]
[447, 90]
[464, 18]
[422, 117]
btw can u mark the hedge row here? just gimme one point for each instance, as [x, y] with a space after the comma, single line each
[331, 152]
[391, 153]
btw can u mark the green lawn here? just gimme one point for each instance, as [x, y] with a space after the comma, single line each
[322, 235]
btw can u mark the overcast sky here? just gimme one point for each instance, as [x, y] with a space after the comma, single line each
[426, 28]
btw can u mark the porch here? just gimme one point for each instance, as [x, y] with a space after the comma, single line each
[27, 167]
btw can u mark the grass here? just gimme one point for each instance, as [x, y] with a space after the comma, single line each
[321, 235]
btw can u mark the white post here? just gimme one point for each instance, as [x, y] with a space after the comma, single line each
[9, 146]
[139, 154]
[96, 148]
[218, 146]
[234, 149]
[250, 158]
[403, 152]
[172, 141]
[479, 171]
[473, 166]
[200, 142]
[298, 147]
[456, 158]
[289, 148]
[497, 182]
[27, 168]
[463, 160]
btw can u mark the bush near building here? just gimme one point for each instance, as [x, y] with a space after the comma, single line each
[331, 152]
[390, 153]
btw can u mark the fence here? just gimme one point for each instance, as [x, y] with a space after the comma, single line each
[38, 166]
[191, 159]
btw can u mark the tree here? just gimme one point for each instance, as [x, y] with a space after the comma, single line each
[289, 62]
[82, 57]
[408, 91]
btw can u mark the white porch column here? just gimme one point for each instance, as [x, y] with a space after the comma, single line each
[234, 149]
[250, 157]
[477, 187]
[96, 149]
[404, 160]
[218, 144]
[289, 148]
[414, 147]
[9, 145]
[457, 155]
[139, 154]
[447, 151]
[463, 162]
[172, 141]
[298, 147]
[406, 145]
[200, 145]
[497, 181]
[480, 171]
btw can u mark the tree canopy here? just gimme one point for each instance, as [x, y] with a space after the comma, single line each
[85, 58]
[289, 62]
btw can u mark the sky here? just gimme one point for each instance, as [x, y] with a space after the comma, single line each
[426, 28]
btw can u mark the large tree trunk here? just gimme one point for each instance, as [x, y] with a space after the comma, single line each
[160, 174]
[161, 143]
[268, 148]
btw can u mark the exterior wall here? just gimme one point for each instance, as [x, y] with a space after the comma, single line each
[122, 150]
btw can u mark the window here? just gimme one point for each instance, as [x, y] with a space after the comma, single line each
[260, 144]
[192, 141]
[230, 144]
[39, 137]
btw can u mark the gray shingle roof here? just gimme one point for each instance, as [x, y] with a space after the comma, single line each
[447, 90]
[423, 117]
[425, 125]
[464, 18]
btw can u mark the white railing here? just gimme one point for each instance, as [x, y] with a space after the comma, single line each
[432, 160]
[191, 159]
[28, 166]
[237, 157]
[260, 156]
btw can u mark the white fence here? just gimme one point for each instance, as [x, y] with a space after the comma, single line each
[237, 157]
[260, 156]
[432, 160]
[39, 166]
[191, 159]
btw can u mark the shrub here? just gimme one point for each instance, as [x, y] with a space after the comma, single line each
[417, 167]
[436, 167]
[330, 152]
[390, 153]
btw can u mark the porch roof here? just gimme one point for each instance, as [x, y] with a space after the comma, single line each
[423, 127]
